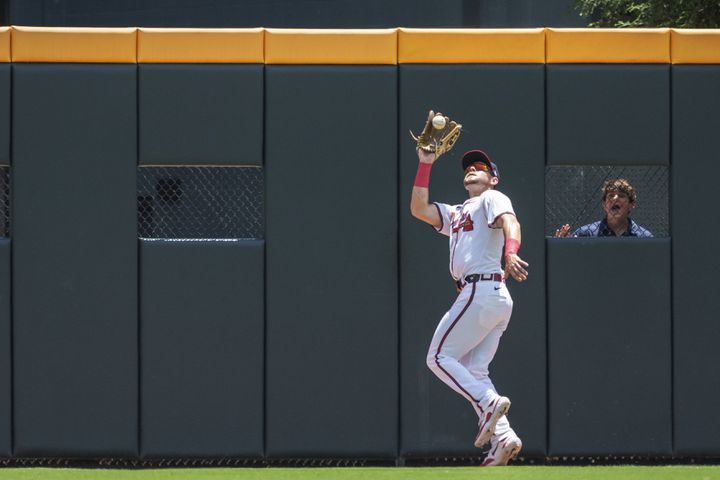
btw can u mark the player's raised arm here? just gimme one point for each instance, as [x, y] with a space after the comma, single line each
[439, 135]
[420, 205]
[514, 265]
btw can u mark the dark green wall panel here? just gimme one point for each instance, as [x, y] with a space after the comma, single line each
[609, 346]
[608, 114]
[202, 348]
[75, 260]
[5, 349]
[502, 110]
[201, 114]
[331, 261]
[696, 305]
[5, 86]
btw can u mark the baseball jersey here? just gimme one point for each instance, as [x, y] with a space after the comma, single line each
[475, 244]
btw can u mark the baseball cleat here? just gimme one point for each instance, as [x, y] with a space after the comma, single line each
[502, 451]
[486, 427]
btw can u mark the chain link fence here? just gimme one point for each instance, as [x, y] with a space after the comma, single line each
[573, 196]
[200, 202]
[4, 201]
[227, 202]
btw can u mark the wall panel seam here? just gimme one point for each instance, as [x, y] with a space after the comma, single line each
[12, 269]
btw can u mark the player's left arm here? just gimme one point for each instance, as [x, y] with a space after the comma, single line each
[514, 265]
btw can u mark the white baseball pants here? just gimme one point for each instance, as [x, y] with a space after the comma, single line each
[466, 340]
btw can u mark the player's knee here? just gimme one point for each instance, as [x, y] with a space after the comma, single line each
[435, 359]
[431, 361]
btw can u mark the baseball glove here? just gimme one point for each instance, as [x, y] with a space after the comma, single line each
[439, 134]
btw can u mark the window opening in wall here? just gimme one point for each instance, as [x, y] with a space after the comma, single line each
[200, 202]
[573, 196]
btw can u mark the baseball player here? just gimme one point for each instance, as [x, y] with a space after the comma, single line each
[467, 337]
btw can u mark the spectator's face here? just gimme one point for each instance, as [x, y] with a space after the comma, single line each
[617, 205]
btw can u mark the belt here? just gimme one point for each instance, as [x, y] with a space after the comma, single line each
[479, 277]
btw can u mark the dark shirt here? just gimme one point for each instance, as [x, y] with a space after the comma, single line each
[601, 229]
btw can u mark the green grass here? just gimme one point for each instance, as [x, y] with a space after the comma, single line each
[675, 472]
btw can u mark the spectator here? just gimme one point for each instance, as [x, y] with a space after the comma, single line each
[618, 201]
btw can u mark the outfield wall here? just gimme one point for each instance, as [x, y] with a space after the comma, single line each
[310, 341]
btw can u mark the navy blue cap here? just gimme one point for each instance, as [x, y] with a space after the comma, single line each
[474, 156]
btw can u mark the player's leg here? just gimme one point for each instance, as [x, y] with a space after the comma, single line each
[458, 333]
[492, 406]
[504, 442]
[477, 361]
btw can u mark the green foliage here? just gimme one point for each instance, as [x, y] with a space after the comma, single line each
[650, 13]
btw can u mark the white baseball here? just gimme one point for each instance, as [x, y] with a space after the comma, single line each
[438, 122]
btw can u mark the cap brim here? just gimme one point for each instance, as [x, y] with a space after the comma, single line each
[474, 156]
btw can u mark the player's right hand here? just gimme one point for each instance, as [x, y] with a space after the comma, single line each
[426, 157]
[563, 231]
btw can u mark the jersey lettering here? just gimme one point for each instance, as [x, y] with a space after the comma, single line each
[474, 248]
[464, 222]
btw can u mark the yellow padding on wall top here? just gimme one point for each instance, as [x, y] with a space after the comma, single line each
[200, 45]
[356, 47]
[607, 45]
[91, 45]
[5, 53]
[420, 45]
[306, 46]
[695, 46]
